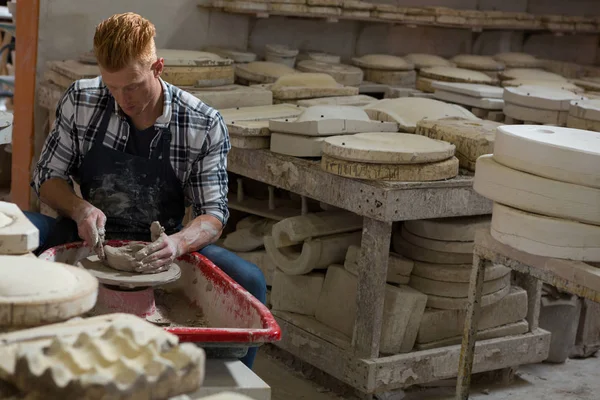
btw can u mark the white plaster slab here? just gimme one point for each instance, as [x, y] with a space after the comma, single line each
[262, 71]
[237, 56]
[452, 74]
[586, 109]
[523, 113]
[331, 120]
[231, 96]
[296, 293]
[421, 60]
[536, 194]
[530, 73]
[249, 128]
[259, 113]
[315, 254]
[358, 100]
[297, 145]
[175, 57]
[399, 267]
[518, 60]
[437, 245]
[452, 303]
[562, 154]
[540, 97]
[346, 75]
[545, 236]
[17, 234]
[456, 272]
[388, 148]
[456, 289]
[443, 324]
[470, 89]
[410, 110]
[460, 229]
[477, 62]
[417, 253]
[486, 104]
[383, 61]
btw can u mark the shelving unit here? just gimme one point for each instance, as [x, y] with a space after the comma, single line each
[358, 363]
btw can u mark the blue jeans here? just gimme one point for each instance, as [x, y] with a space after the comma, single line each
[248, 275]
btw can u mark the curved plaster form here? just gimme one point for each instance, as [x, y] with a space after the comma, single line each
[457, 290]
[250, 238]
[530, 73]
[384, 62]
[452, 303]
[540, 97]
[35, 292]
[410, 110]
[586, 109]
[459, 229]
[536, 194]
[319, 253]
[318, 56]
[457, 272]
[437, 245]
[477, 62]
[422, 254]
[545, 236]
[421, 60]
[518, 60]
[388, 148]
[562, 154]
[451, 74]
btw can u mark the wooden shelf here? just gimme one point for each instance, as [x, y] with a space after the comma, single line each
[412, 16]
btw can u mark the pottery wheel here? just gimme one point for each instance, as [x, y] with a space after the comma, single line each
[110, 276]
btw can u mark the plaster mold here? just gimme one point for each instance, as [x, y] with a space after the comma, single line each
[459, 229]
[358, 101]
[261, 259]
[460, 273]
[518, 60]
[399, 268]
[383, 62]
[421, 60]
[262, 71]
[536, 194]
[318, 56]
[437, 245]
[586, 124]
[545, 236]
[477, 62]
[346, 75]
[551, 84]
[260, 113]
[296, 293]
[470, 89]
[249, 128]
[451, 74]
[530, 73]
[522, 113]
[305, 85]
[392, 78]
[452, 303]
[562, 154]
[331, 120]
[585, 109]
[296, 145]
[456, 289]
[588, 83]
[250, 142]
[248, 239]
[17, 234]
[388, 148]
[540, 97]
[486, 104]
[391, 172]
[281, 54]
[237, 56]
[191, 58]
[418, 253]
[408, 111]
[231, 96]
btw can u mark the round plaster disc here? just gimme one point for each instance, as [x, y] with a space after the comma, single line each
[110, 276]
[191, 58]
[383, 61]
[35, 292]
[388, 148]
[450, 74]
[549, 84]
[540, 97]
[347, 75]
[421, 60]
[518, 60]
[530, 73]
[262, 71]
[476, 62]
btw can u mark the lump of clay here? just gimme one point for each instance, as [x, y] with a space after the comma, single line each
[123, 258]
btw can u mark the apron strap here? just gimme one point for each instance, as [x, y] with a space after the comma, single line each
[103, 127]
[164, 146]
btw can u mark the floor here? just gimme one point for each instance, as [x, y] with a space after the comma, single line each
[573, 380]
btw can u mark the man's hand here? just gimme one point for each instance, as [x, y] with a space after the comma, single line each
[90, 227]
[159, 255]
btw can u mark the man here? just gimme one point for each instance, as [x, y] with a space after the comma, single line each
[141, 150]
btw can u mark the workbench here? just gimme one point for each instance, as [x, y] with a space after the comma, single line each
[569, 276]
[358, 362]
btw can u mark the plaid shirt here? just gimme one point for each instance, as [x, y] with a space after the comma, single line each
[199, 145]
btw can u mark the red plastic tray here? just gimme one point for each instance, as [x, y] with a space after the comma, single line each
[237, 317]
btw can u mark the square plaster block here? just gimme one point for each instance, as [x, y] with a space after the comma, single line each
[336, 306]
[296, 293]
[442, 324]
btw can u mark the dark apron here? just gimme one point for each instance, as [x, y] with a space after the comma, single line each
[132, 191]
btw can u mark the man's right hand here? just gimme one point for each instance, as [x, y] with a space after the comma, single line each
[90, 227]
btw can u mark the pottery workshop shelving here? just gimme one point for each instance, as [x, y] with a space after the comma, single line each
[356, 10]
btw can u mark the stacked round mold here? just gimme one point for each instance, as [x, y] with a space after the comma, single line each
[536, 77]
[450, 74]
[584, 114]
[518, 60]
[387, 69]
[545, 184]
[485, 64]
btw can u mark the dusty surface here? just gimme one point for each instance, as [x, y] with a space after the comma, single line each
[173, 309]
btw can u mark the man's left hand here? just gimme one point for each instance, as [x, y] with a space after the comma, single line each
[158, 255]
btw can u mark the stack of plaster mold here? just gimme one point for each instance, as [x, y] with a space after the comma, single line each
[591, 85]
[249, 126]
[238, 56]
[387, 69]
[305, 85]
[258, 72]
[538, 104]
[114, 356]
[443, 260]
[485, 101]
[421, 61]
[518, 60]
[471, 138]
[485, 64]
[408, 111]
[318, 56]
[281, 54]
[584, 114]
[389, 156]
[536, 77]
[343, 74]
[450, 74]
[303, 136]
[545, 185]
[247, 241]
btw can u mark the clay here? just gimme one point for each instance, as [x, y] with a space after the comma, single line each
[260, 113]
[262, 71]
[451, 74]
[545, 236]
[477, 62]
[391, 172]
[452, 303]
[295, 230]
[236, 55]
[585, 109]
[460, 229]
[437, 245]
[470, 89]
[562, 154]
[486, 104]
[331, 120]
[530, 73]
[35, 292]
[249, 239]
[408, 111]
[540, 97]
[358, 101]
[383, 61]
[399, 268]
[456, 289]
[296, 145]
[442, 324]
[536, 194]
[17, 234]
[471, 138]
[535, 115]
[418, 253]
[314, 254]
[296, 293]
[346, 75]
[518, 60]
[456, 272]
[123, 258]
[387, 148]
[427, 60]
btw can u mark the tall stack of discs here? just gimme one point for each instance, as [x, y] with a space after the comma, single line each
[389, 156]
[538, 104]
[485, 64]
[545, 184]
[387, 69]
[450, 74]
[584, 114]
